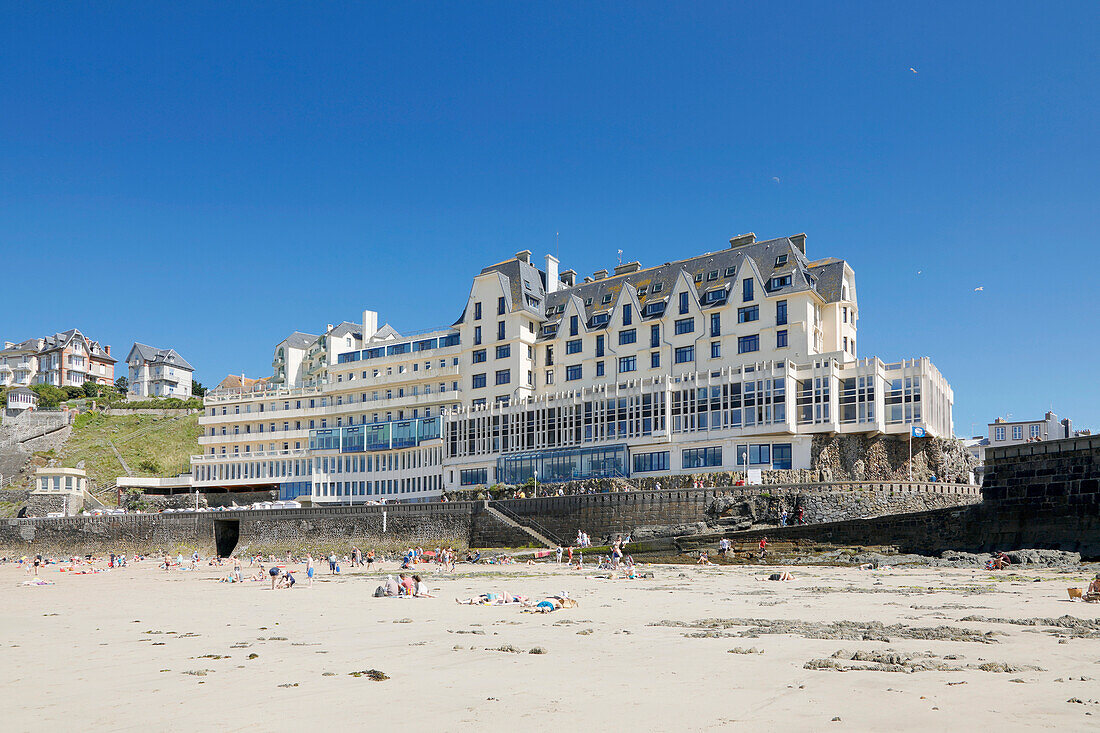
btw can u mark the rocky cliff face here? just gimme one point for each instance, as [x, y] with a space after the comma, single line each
[886, 458]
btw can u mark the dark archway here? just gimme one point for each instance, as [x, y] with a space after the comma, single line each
[226, 534]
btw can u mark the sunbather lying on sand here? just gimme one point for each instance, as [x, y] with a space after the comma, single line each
[551, 603]
[493, 599]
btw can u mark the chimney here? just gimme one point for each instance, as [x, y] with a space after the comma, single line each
[569, 278]
[1067, 427]
[588, 279]
[107, 348]
[599, 275]
[799, 240]
[552, 282]
[524, 256]
[742, 239]
[328, 327]
[628, 267]
[370, 324]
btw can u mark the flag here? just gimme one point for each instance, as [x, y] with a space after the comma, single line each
[918, 432]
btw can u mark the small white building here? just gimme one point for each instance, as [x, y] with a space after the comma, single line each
[57, 491]
[20, 400]
[157, 372]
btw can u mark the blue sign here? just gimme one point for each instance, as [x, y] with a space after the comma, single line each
[918, 432]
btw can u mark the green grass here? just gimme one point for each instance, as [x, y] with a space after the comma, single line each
[150, 444]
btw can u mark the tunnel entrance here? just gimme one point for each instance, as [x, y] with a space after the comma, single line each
[226, 534]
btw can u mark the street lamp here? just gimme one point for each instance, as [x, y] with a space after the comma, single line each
[536, 483]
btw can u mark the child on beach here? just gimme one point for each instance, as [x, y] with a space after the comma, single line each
[309, 569]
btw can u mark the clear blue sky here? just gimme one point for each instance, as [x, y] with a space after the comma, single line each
[212, 177]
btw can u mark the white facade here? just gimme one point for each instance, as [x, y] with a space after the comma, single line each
[156, 373]
[727, 361]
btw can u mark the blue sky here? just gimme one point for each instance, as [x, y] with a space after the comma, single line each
[213, 176]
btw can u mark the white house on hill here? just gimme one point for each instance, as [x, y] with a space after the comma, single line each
[157, 372]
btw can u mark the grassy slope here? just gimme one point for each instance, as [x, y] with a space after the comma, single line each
[162, 448]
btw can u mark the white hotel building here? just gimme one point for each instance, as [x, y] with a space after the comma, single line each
[726, 361]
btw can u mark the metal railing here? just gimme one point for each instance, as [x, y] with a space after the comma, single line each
[525, 522]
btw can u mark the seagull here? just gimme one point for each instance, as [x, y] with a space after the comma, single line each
[980, 287]
[912, 69]
[775, 178]
[918, 272]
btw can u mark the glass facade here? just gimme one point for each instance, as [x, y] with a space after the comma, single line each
[377, 436]
[563, 465]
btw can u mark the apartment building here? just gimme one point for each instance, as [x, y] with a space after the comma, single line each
[725, 361]
[157, 372]
[67, 359]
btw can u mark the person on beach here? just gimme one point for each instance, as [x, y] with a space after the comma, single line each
[801, 519]
[370, 559]
[309, 569]
[274, 573]
[783, 519]
[237, 568]
[558, 553]
[570, 560]
[167, 563]
[408, 587]
[1092, 593]
[420, 589]
[37, 563]
[392, 587]
[763, 547]
[332, 563]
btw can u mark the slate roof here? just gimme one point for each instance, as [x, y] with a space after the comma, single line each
[299, 340]
[60, 340]
[154, 355]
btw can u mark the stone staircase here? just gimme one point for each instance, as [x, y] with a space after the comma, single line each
[501, 515]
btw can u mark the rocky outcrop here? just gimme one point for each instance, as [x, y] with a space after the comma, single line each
[886, 458]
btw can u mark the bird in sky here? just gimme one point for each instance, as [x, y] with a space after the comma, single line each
[912, 69]
[980, 287]
[918, 272]
[775, 178]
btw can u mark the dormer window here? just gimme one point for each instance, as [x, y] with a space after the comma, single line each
[655, 308]
[600, 319]
[658, 287]
[587, 302]
[698, 277]
[606, 299]
[714, 296]
[780, 260]
[549, 329]
[730, 271]
[641, 292]
[780, 282]
[712, 276]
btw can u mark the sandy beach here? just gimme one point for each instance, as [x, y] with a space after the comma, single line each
[693, 648]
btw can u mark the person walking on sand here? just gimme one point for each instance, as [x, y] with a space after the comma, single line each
[309, 569]
[332, 563]
[559, 552]
[274, 573]
[237, 568]
[763, 547]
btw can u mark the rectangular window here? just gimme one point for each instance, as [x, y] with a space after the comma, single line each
[628, 336]
[655, 360]
[746, 289]
[479, 356]
[500, 331]
[701, 457]
[477, 335]
[654, 336]
[599, 345]
[473, 476]
[477, 311]
[715, 350]
[500, 306]
[781, 339]
[781, 455]
[999, 434]
[503, 352]
[759, 455]
[685, 325]
[654, 309]
[549, 376]
[627, 316]
[504, 376]
[657, 461]
[573, 347]
[478, 381]
[781, 313]
[683, 303]
[1034, 431]
[780, 282]
[573, 325]
[628, 364]
[745, 344]
[572, 373]
[599, 368]
[1017, 432]
[685, 354]
[748, 313]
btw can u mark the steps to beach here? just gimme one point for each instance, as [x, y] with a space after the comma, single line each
[508, 521]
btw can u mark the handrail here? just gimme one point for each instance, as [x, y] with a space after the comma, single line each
[527, 522]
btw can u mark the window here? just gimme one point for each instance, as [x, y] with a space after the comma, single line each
[627, 315]
[712, 275]
[653, 309]
[477, 311]
[999, 434]
[715, 324]
[655, 360]
[701, 457]
[1034, 431]
[748, 313]
[479, 356]
[685, 354]
[473, 476]
[606, 299]
[500, 306]
[477, 335]
[587, 302]
[599, 368]
[745, 344]
[549, 356]
[1017, 432]
[781, 339]
[780, 260]
[844, 314]
[780, 282]
[504, 376]
[599, 345]
[781, 455]
[698, 277]
[729, 271]
[658, 287]
[715, 350]
[573, 347]
[759, 455]
[503, 352]
[628, 336]
[572, 373]
[714, 296]
[600, 319]
[500, 331]
[641, 292]
[573, 325]
[781, 313]
[746, 289]
[654, 336]
[549, 376]
[683, 303]
[628, 364]
[657, 461]
[685, 325]
[478, 381]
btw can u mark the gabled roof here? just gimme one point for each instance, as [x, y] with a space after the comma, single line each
[347, 328]
[23, 390]
[153, 355]
[385, 333]
[299, 340]
[235, 381]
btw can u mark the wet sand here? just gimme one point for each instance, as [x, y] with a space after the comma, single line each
[139, 649]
